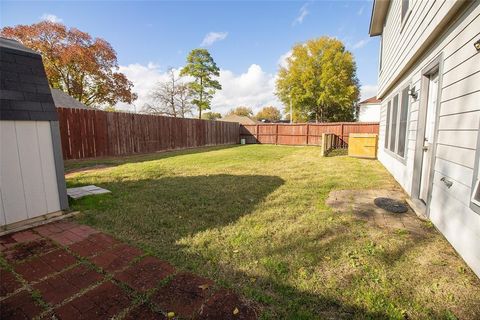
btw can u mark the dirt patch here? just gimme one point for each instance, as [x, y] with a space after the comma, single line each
[361, 204]
[225, 304]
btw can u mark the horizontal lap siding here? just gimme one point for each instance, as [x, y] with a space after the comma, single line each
[458, 122]
[94, 133]
[304, 133]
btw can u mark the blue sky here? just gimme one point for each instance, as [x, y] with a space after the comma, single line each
[247, 39]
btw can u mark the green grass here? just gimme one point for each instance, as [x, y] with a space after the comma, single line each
[254, 219]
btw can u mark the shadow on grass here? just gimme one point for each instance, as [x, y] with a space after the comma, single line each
[175, 207]
[156, 214]
[79, 165]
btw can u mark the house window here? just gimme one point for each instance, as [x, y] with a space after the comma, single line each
[393, 126]
[405, 5]
[475, 198]
[387, 126]
[402, 130]
[397, 123]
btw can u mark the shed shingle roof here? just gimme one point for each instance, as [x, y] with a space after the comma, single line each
[63, 100]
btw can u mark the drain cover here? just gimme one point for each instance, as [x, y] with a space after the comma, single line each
[390, 205]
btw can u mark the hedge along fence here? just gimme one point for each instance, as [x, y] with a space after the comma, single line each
[92, 133]
[304, 133]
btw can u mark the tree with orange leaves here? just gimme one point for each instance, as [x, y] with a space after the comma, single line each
[83, 67]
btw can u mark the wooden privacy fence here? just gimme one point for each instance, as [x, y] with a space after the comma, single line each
[304, 133]
[92, 133]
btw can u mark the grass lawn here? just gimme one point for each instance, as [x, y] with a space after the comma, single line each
[254, 219]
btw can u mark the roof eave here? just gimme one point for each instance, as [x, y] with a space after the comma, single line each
[379, 13]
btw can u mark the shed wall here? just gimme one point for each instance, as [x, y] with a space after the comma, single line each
[27, 171]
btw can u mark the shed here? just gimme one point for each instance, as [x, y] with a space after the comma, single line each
[32, 183]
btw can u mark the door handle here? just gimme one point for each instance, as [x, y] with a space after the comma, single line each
[425, 148]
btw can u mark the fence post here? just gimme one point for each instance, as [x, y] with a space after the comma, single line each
[322, 145]
[308, 132]
[342, 141]
[276, 134]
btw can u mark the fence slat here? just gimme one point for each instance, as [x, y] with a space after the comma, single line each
[304, 133]
[94, 133]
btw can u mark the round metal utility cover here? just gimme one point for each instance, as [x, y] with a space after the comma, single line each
[391, 205]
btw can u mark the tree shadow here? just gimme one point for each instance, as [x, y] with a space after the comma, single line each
[159, 214]
[175, 207]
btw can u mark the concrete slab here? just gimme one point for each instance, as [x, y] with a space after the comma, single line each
[80, 192]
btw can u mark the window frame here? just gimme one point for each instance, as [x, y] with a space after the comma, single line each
[386, 147]
[388, 129]
[404, 91]
[475, 204]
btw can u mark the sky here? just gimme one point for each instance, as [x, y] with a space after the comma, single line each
[247, 39]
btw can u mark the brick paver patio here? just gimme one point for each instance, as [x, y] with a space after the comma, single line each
[63, 270]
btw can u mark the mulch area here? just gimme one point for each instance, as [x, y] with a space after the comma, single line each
[63, 270]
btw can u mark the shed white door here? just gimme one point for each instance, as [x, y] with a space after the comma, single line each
[28, 180]
[428, 138]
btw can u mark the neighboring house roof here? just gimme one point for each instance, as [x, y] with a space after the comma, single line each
[371, 100]
[63, 100]
[239, 119]
[25, 94]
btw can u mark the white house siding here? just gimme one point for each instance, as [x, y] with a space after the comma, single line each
[459, 112]
[27, 171]
[369, 112]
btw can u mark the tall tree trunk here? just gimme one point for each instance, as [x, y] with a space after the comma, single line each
[201, 99]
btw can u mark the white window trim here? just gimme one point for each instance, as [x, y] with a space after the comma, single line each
[475, 204]
[394, 153]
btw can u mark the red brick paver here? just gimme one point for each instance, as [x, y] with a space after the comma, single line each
[8, 283]
[69, 266]
[103, 302]
[60, 287]
[22, 251]
[144, 312]
[19, 306]
[116, 258]
[93, 245]
[146, 274]
[43, 265]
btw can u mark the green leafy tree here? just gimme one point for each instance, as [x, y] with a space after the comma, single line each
[320, 81]
[269, 113]
[211, 115]
[202, 68]
[241, 111]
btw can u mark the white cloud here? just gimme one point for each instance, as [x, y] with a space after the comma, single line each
[368, 91]
[360, 44]
[144, 78]
[282, 61]
[302, 13]
[212, 37]
[253, 88]
[50, 17]
[360, 11]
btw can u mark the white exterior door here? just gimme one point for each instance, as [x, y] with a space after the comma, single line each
[428, 138]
